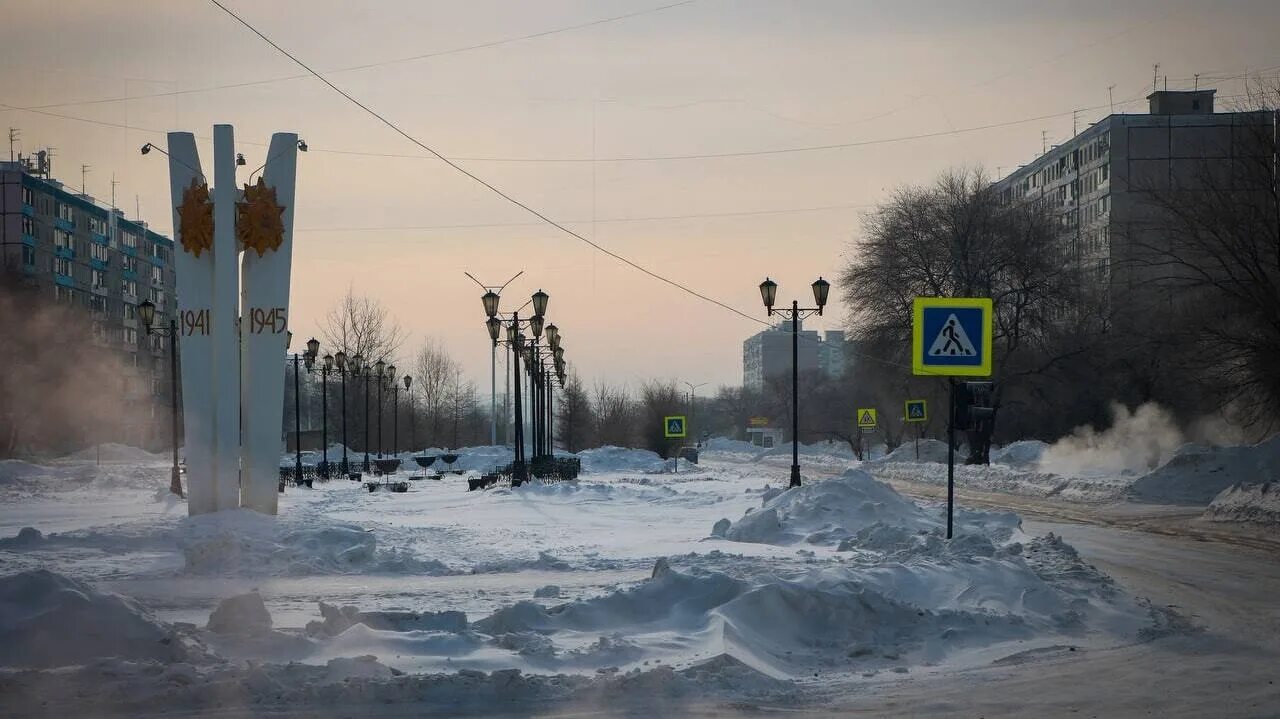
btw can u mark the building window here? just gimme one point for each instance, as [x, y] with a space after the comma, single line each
[65, 295]
[129, 239]
[62, 238]
[28, 197]
[157, 274]
[28, 226]
[99, 252]
[129, 287]
[66, 212]
[130, 311]
[157, 297]
[98, 278]
[159, 251]
[128, 264]
[131, 337]
[28, 256]
[62, 266]
[98, 303]
[97, 225]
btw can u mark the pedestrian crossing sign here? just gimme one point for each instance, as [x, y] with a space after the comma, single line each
[951, 336]
[674, 427]
[916, 411]
[867, 418]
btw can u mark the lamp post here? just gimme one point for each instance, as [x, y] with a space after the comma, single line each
[515, 341]
[518, 343]
[693, 388]
[379, 369]
[325, 368]
[147, 310]
[341, 360]
[395, 411]
[413, 425]
[768, 293]
[309, 359]
[360, 370]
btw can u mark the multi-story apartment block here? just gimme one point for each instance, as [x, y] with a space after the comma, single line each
[768, 354]
[1099, 184]
[67, 248]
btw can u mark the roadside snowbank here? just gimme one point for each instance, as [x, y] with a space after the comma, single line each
[931, 450]
[1197, 473]
[48, 620]
[1258, 503]
[621, 459]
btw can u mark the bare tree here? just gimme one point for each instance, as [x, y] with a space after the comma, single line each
[614, 416]
[434, 376]
[359, 324]
[573, 415]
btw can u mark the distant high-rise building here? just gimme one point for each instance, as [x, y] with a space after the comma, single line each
[1098, 184]
[67, 248]
[768, 354]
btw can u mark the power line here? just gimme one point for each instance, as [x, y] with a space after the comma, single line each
[651, 218]
[478, 179]
[367, 66]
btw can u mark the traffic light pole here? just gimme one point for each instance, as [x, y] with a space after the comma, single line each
[951, 452]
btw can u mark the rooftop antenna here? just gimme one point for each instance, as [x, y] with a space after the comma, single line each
[1166, 83]
[13, 137]
[113, 190]
[1044, 141]
[1197, 82]
[1111, 99]
[137, 207]
[1155, 77]
[1075, 122]
[84, 170]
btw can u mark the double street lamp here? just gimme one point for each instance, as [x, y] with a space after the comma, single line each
[519, 345]
[768, 293]
[308, 357]
[147, 311]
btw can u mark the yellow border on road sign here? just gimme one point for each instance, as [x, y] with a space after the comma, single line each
[918, 365]
[867, 411]
[666, 427]
[906, 411]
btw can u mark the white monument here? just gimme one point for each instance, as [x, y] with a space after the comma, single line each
[232, 330]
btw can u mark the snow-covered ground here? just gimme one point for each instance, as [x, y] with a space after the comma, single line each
[633, 584]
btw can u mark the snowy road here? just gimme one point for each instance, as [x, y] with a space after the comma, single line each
[887, 622]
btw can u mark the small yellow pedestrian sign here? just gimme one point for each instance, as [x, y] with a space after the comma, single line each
[867, 418]
[674, 427]
[916, 411]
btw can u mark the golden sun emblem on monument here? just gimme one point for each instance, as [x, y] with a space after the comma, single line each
[260, 219]
[195, 218]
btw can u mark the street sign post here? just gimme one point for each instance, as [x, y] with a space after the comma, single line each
[951, 337]
[674, 427]
[867, 418]
[916, 411]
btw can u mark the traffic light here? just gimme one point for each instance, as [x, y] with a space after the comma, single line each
[974, 407]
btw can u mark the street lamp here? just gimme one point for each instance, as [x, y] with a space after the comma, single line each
[341, 360]
[395, 410]
[309, 360]
[413, 420]
[769, 293]
[379, 370]
[147, 312]
[360, 370]
[325, 368]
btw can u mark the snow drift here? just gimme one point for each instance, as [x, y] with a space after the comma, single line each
[1196, 473]
[1258, 503]
[49, 620]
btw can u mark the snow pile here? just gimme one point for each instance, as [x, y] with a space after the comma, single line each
[828, 511]
[1257, 503]
[244, 542]
[49, 620]
[818, 450]
[336, 620]
[470, 459]
[621, 459]
[930, 450]
[1136, 442]
[1023, 453]
[243, 614]
[1196, 473]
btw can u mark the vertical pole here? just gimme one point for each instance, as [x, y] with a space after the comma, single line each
[518, 422]
[795, 393]
[551, 419]
[951, 451]
[395, 421]
[297, 425]
[535, 390]
[175, 481]
[324, 422]
[413, 423]
[345, 467]
[380, 383]
[493, 394]
[365, 466]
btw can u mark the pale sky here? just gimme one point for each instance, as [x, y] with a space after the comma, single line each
[706, 77]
